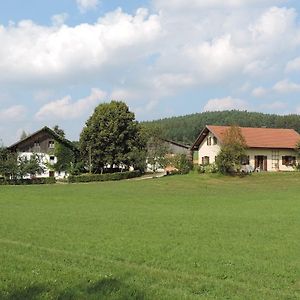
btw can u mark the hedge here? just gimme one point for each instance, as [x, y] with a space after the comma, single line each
[46, 180]
[103, 177]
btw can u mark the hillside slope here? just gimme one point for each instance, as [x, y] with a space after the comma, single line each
[186, 128]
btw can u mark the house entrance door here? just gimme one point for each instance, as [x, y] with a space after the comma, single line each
[261, 163]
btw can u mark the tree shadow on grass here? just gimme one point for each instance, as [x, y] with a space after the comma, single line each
[32, 292]
[106, 288]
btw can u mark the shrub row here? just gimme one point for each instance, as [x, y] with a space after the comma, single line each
[210, 168]
[48, 180]
[103, 177]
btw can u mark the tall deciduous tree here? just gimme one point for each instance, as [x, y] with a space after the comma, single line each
[233, 150]
[111, 137]
[8, 163]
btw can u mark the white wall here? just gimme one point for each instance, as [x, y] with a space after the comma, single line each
[213, 150]
[45, 159]
[268, 152]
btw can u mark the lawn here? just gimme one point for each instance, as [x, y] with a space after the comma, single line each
[180, 237]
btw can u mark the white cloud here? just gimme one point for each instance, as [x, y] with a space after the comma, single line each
[275, 106]
[42, 95]
[259, 92]
[59, 20]
[85, 5]
[31, 53]
[14, 113]
[201, 4]
[216, 58]
[125, 95]
[293, 65]
[286, 86]
[65, 108]
[274, 23]
[227, 103]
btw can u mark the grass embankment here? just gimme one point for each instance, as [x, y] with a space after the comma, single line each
[180, 237]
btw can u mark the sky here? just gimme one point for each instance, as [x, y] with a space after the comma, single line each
[59, 59]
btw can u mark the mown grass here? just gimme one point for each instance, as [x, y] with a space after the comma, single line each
[181, 237]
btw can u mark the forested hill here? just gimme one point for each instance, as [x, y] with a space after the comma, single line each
[186, 128]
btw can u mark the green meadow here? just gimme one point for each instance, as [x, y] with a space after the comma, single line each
[179, 237]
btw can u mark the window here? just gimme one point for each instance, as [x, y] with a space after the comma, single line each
[209, 141]
[288, 161]
[245, 160]
[51, 144]
[36, 144]
[51, 158]
[205, 160]
[215, 140]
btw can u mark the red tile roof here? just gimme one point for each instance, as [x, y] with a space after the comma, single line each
[262, 137]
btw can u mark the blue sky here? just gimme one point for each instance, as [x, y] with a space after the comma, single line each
[59, 59]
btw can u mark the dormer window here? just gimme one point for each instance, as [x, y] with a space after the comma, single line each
[51, 144]
[209, 141]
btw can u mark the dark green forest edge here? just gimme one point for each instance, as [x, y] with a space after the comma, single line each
[185, 129]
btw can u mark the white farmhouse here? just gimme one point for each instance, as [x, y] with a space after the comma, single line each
[42, 143]
[269, 149]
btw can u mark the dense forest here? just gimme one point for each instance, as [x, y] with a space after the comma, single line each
[185, 129]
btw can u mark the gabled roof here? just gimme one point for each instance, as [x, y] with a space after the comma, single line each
[256, 137]
[55, 136]
[176, 144]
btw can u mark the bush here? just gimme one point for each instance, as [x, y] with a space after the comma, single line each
[209, 169]
[47, 180]
[200, 169]
[103, 177]
[181, 163]
[297, 167]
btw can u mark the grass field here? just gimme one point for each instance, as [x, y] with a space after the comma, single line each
[181, 237]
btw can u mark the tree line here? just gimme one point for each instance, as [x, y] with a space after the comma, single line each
[185, 129]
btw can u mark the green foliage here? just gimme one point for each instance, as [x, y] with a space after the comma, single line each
[30, 166]
[8, 163]
[181, 163]
[103, 177]
[13, 167]
[208, 169]
[233, 150]
[111, 137]
[65, 157]
[185, 129]
[297, 149]
[46, 180]
[59, 131]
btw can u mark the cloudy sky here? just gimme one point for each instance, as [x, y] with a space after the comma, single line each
[60, 58]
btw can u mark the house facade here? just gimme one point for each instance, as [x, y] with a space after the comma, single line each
[42, 143]
[268, 149]
[173, 148]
